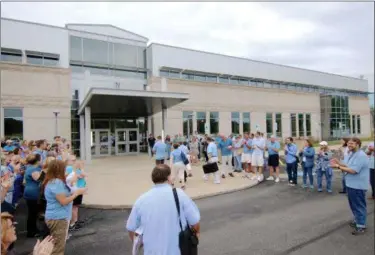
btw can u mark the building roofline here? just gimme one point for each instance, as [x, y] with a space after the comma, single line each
[68, 29]
[259, 61]
[107, 25]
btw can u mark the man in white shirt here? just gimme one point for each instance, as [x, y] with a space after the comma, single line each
[257, 159]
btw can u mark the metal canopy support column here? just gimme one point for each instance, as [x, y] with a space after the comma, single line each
[82, 136]
[88, 134]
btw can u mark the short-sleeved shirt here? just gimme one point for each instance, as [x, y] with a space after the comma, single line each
[184, 149]
[176, 155]
[55, 210]
[259, 142]
[273, 145]
[358, 161]
[32, 189]
[156, 212]
[223, 145]
[212, 149]
[246, 150]
[160, 148]
[9, 148]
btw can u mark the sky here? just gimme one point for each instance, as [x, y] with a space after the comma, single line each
[334, 37]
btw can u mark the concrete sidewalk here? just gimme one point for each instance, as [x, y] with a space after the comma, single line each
[116, 182]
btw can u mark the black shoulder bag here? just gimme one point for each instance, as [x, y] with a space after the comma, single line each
[188, 241]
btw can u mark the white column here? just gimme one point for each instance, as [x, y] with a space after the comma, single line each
[82, 136]
[241, 123]
[2, 122]
[194, 120]
[88, 134]
[208, 122]
[163, 122]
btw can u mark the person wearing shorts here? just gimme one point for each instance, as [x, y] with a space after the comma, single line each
[273, 148]
[246, 155]
[257, 159]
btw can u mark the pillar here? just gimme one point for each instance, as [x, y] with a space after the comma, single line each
[82, 136]
[208, 123]
[163, 122]
[241, 123]
[194, 120]
[88, 134]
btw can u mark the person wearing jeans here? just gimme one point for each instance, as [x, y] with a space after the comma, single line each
[370, 153]
[323, 167]
[290, 151]
[357, 178]
[308, 156]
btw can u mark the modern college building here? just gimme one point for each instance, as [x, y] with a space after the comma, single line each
[105, 88]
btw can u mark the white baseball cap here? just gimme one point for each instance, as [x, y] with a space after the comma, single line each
[323, 143]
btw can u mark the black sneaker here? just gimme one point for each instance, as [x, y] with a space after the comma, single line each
[342, 192]
[72, 227]
[231, 175]
[353, 224]
[358, 231]
[223, 176]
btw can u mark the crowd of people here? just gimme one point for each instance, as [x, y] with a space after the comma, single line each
[52, 182]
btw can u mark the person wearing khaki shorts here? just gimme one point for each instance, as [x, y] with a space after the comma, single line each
[257, 159]
[59, 199]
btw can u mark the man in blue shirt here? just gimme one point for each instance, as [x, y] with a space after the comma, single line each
[159, 149]
[291, 151]
[155, 212]
[41, 146]
[273, 148]
[225, 145]
[355, 166]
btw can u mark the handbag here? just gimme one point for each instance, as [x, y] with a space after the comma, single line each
[184, 158]
[210, 168]
[188, 241]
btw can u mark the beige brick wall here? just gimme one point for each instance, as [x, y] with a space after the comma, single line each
[39, 91]
[223, 98]
[360, 106]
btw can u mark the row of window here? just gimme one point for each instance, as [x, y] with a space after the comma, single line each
[302, 121]
[34, 58]
[104, 52]
[109, 71]
[228, 79]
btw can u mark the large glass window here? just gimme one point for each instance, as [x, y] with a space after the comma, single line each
[358, 124]
[11, 55]
[269, 124]
[125, 55]
[75, 48]
[95, 51]
[279, 127]
[13, 122]
[246, 121]
[301, 127]
[308, 124]
[214, 122]
[187, 118]
[337, 113]
[293, 124]
[235, 116]
[201, 122]
[41, 58]
[353, 124]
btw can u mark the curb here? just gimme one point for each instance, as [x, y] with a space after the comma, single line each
[128, 207]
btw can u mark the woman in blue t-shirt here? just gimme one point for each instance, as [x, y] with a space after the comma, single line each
[31, 192]
[59, 199]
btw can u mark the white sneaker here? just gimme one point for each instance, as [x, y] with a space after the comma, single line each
[260, 178]
[277, 180]
[217, 182]
[205, 178]
[270, 178]
[253, 178]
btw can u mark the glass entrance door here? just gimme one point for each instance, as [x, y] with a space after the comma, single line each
[100, 142]
[127, 141]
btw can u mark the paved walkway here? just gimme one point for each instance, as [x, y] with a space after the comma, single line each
[116, 182]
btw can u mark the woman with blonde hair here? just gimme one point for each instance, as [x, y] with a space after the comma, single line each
[323, 167]
[194, 150]
[9, 237]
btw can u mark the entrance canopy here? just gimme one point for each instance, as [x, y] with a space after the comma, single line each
[129, 103]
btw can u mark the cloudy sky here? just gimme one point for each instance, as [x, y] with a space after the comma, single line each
[330, 37]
